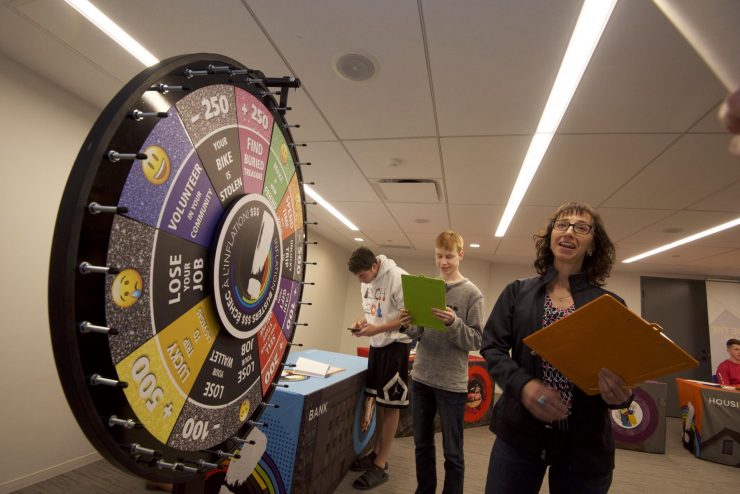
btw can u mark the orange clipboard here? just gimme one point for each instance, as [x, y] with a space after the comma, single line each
[606, 334]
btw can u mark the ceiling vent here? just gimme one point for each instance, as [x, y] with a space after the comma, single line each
[409, 190]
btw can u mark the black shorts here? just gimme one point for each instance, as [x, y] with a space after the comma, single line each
[387, 375]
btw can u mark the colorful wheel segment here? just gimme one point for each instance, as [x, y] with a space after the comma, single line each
[197, 263]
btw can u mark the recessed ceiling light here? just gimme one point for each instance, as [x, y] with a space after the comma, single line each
[475, 246]
[356, 67]
[358, 239]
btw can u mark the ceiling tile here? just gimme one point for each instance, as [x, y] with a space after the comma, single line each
[695, 166]
[622, 223]
[423, 240]
[521, 247]
[397, 158]
[312, 37]
[34, 47]
[727, 199]
[424, 218]
[603, 161]
[678, 226]
[725, 238]
[643, 77]
[709, 124]
[368, 215]
[482, 170]
[64, 23]
[728, 262]
[336, 176]
[529, 220]
[478, 221]
[686, 254]
[387, 238]
[481, 86]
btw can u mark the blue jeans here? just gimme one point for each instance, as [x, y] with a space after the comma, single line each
[510, 470]
[426, 402]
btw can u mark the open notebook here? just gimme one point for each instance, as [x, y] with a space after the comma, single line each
[308, 367]
[605, 333]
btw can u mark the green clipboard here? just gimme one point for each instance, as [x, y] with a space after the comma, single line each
[420, 294]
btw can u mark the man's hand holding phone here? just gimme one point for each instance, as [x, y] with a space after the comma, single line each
[358, 326]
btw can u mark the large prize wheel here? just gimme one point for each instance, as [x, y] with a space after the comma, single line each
[177, 265]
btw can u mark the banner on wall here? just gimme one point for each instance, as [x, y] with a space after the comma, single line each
[723, 309]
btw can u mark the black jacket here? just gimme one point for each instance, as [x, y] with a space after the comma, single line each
[588, 445]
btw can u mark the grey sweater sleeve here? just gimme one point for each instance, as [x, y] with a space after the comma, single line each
[414, 331]
[466, 330]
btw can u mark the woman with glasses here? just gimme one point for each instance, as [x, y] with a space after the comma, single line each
[542, 420]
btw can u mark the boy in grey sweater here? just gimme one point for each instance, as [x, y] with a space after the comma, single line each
[440, 374]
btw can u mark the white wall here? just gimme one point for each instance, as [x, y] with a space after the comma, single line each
[42, 129]
[326, 313]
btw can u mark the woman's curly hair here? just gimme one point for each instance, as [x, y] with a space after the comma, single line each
[597, 265]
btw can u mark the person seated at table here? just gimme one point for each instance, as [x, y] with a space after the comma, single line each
[728, 372]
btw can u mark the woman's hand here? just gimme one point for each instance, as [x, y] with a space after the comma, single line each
[613, 389]
[542, 402]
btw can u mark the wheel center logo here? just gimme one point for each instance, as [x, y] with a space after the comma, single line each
[247, 265]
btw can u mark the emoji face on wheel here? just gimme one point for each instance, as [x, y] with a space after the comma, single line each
[156, 166]
[244, 409]
[127, 288]
[284, 154]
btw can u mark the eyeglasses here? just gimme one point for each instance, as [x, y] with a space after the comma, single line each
[581, 227]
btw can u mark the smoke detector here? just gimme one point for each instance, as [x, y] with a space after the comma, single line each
[356, 67]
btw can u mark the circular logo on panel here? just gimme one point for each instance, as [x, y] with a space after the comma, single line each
[637, 422]
[247, 265]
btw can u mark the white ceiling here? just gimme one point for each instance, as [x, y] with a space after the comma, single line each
[457, 93]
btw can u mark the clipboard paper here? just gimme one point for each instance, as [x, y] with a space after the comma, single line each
[420, 294]
[606, 334]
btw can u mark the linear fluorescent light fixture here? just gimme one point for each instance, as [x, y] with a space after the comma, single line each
[105, 24]
[323, 202]
[591, 23]
[691, 238]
